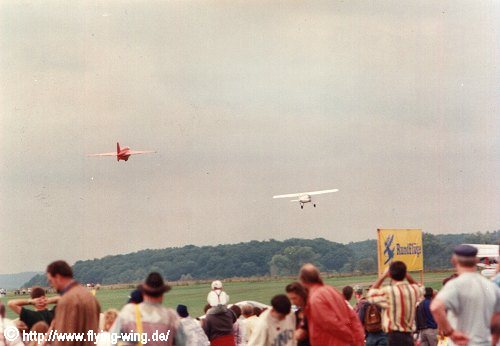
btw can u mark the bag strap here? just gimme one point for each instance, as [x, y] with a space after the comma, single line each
[138, 323]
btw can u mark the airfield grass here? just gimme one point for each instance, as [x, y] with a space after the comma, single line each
[194, 295]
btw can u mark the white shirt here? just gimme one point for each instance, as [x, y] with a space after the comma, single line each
[270, 331]
[6, 324]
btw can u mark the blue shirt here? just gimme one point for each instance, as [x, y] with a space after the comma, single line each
[429, 319]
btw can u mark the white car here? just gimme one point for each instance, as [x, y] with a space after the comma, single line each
[487, 255]
[252, 303]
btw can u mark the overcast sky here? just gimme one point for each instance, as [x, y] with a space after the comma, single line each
[394, 103]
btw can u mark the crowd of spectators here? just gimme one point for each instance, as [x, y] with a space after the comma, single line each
[466, 311]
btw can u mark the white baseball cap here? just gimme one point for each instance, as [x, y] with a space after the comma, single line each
[217, 285]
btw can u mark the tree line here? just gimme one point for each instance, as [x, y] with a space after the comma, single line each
[258, 258]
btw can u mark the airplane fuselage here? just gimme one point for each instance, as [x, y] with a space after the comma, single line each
[305, 199]
[124, 154]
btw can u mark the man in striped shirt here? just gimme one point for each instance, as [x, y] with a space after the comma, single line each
[398, 302]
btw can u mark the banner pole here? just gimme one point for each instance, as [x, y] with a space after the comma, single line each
[422, 276]
[379, 255]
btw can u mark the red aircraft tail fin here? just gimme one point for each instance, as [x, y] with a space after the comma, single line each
[117, 151]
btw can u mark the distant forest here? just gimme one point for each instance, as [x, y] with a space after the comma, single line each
[258, 258]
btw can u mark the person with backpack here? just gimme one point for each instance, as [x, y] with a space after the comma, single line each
[398, 303]
[371, 319]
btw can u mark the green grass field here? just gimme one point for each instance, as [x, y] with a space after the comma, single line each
[194, 296]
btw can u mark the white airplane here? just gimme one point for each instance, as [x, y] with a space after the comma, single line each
[305, 197]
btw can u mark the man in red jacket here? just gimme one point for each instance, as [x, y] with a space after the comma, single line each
[331, 321]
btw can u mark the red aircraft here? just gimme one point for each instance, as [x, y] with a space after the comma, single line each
[123, 153]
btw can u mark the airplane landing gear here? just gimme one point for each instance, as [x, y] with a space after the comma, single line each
[314, 205]
[301, 206]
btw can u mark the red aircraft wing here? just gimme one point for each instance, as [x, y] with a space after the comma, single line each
[135, 152]
[103, 154]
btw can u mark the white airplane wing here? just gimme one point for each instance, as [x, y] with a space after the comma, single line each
[291, 195]
[103, 154]
[135, 152]
[320, 192]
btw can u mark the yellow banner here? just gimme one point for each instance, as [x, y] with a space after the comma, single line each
[400, 245]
